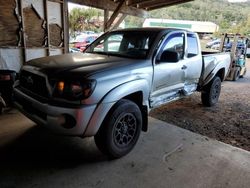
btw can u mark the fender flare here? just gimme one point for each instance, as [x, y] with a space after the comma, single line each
[212, 74]
[111, 98]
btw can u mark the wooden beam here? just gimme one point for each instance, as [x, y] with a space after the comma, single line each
[119, 21]
[111, 5]
[159, 5]
[114, 15]
[135, 2]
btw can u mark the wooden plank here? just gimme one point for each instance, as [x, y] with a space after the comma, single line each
[162, 4]
[135, 2]
[56, 1]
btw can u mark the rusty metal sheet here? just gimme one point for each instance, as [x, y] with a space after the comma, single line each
[55, 32]
[9, 24]
[34, 28]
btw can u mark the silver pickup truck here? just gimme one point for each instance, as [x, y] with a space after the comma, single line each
[108, 91]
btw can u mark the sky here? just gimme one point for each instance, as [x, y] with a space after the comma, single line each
[72, 5]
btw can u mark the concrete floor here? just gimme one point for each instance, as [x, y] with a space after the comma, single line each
[165, 156]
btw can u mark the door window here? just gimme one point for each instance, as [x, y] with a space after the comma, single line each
[175, 43]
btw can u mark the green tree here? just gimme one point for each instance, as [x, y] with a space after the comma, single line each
[132, 21]
[229, 16]
[80, 19]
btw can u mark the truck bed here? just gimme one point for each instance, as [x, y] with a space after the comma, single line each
[212, 63]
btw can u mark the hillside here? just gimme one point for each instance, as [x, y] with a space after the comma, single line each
[231, 17]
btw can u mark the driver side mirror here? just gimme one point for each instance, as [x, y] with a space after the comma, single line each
[169, 56]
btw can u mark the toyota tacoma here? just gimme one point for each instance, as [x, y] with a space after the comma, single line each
[108, 91]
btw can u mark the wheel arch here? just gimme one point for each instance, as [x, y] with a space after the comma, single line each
[221, 74]
[136, 91]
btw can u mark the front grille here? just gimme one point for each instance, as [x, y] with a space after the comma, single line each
[28, 108]
[34, 83]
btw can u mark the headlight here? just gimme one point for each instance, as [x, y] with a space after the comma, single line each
[74, 90]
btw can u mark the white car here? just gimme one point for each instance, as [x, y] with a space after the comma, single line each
[214, 42]
[216, 46]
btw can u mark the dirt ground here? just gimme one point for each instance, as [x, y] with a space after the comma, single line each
[228, 121]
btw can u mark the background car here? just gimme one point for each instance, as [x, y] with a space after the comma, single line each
[216, 46]
[212, 43]
[82, 41]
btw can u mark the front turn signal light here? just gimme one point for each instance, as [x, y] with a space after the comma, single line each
[60, 86]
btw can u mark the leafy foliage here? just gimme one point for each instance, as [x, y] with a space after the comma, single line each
[81, 19]
[231, 17]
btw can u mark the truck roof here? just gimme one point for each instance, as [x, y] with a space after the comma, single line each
[153, 29]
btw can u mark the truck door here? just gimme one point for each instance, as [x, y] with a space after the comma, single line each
[169, 76]
[193, 63]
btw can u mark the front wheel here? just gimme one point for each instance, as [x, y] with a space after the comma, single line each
[211, 93]
[120, 130]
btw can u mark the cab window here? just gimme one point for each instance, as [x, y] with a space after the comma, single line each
[192, 45]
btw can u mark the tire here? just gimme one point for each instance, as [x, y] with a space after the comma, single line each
[120, 130]
[236, 74]
[1, 109]
[245, 71]
[211, 93]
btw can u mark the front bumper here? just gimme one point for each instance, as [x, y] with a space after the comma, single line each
[49, 116]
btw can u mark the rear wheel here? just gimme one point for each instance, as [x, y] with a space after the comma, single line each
[210, 94]
[120, 130]
[244, 73]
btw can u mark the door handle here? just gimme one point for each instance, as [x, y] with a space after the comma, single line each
[184, 67]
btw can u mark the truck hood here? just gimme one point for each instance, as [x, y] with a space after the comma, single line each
[78, 63]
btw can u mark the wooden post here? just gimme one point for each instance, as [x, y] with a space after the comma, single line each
[23, 32]
[65, 27]
[47, 25]
[106, 17]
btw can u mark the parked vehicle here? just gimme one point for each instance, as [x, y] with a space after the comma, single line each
[7, 78]
[216, 46]
[108, 91]
[82, 41]
[74, 50]
[213, 43]
[248, 50]
[237, 46]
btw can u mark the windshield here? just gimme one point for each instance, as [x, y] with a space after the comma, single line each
[132, 44]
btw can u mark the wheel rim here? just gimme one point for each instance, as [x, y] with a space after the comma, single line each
[216, 91]
[125, 130]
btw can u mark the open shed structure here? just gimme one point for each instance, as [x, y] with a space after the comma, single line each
[126, 7]
[31, 28]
